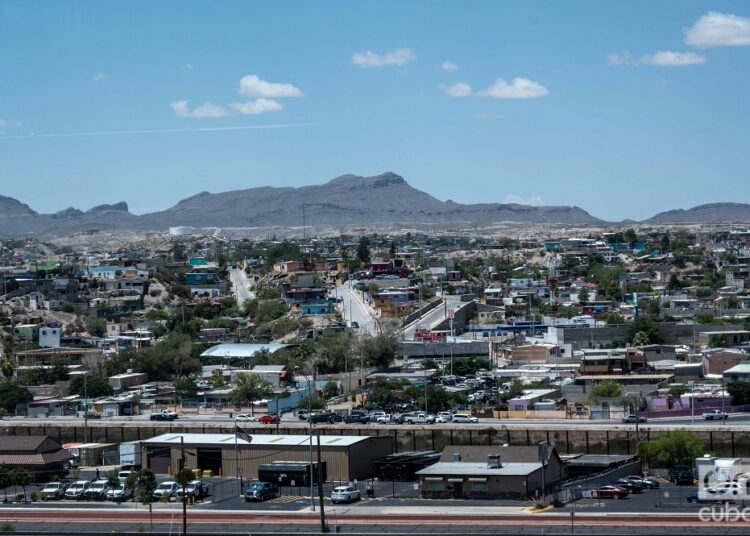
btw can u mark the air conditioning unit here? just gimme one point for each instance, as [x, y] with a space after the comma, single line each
[493, 461]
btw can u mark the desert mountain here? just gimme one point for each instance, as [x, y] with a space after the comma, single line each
[710, 213]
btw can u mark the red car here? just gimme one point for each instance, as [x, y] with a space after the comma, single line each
[268, 419]
[609, 492]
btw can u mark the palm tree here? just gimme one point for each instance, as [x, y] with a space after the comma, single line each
[7, 367]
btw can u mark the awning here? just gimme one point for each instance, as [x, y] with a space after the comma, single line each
[477, 479]
[455, 480]
[434, 478]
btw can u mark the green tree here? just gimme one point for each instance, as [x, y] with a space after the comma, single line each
[217, 379]
[92, 386]
[331, 389]
[249, 388]
[678, 447]
[6, 480]
[21, 477]
[678, 390]
[113, 480]
[11, 395]
[144, 482]
[7, 366]
[739, 391]
[186, 387]
[314, 402]
[380, 351]
[96, 326]
[363, 250]
[607, 389]
[719, 342]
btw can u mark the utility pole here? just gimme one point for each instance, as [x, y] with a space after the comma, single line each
[184, 486]
[85, 407]
[323, 526]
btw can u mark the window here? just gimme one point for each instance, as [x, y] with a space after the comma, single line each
[479, 486]
[435, 485]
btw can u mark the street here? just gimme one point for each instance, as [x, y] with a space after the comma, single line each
[241, 286]
[354, 310]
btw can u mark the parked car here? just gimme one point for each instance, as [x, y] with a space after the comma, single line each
[716, 414]
[119, 493]
[631, 486]
[268, 419]
[168, 489]
[632, 418]
[97, 491]
[681, 474]
[609, 492]
[345, 494]
[260, 491]
[464, 418]
[355, 324]
[693, 497]
[122, 476]
[375, 415]
[196, 489]
[242, 417]
[444, 416]
[360, 418]
[322, 417]
[419, 418]
[645, 482]
[163, 416]
[77, 490]
[52, 491]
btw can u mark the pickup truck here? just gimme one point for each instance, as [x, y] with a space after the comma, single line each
[419, 418]
[164, 416]
[715, 414]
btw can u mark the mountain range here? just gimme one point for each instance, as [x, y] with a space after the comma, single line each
[345, 200]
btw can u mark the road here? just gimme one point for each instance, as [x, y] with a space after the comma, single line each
[241, 285]
[354, 310]
[432, 317]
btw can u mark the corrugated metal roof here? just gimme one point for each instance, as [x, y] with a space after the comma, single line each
[258, 440]
[229, 350]
[479, 469]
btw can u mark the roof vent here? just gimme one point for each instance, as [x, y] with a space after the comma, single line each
[456, 456]
[493, 461]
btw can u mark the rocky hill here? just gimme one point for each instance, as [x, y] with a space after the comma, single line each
[345, 200]
[710, 213]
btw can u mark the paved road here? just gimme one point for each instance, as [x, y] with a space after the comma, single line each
[432, 317]
[241, 285]
[354, 310]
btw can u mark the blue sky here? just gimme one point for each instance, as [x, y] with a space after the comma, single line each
[622, 108]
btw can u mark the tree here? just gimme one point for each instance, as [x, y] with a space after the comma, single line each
[217, 379]
[21, 477]
[11, 395]
[678, 390]
[331, 388]
[314, 402]
[678, 447]
[249, 388]
[5, 480]
[144, 482]
[113, 480]
[7, 366]
[380, 351]
[607, 389]
[92, 386]
[186, 387]
[96, 326]
[739, 391]
[719, 342]
[363, 250]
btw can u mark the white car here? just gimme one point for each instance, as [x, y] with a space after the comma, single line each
[242, 417]
[444, 416]
[77, 490]
[345, 494]
[464, 418]
[119, 494]
[168, 488]
[385, 419]
[52, 491]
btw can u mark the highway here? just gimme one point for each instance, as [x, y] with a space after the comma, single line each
[241, 285]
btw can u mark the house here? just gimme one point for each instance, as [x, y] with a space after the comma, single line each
[317, 307]
[40, 455]
[491, 472]
[724, 338]
[201, 278]
[739, 372]
[49, 336]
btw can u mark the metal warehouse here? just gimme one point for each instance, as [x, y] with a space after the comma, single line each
[346, 457]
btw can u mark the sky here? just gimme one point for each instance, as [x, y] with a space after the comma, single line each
[625, 109]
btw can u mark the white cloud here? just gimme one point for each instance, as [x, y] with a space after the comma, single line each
[534, 200]
[678, 59]
[189, 66]
[518, 88]
[205, 110]
[400, 56]
[719, 29]
[449, 66]
[459, 89]
[257, 106]
[252, 86]
[100, 76]
[620, 59]
[9, 123]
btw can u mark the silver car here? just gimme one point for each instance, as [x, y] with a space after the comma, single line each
[345, 494]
